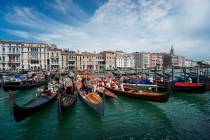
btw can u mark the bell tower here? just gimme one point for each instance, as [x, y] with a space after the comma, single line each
[172, 50]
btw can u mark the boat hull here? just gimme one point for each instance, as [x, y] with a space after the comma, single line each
[67, 102]
[7, 87]
[189, 87]
[97, 107]
[25, 111]
[157, 97]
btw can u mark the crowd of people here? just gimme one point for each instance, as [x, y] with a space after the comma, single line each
[63, 85]
[91, 85]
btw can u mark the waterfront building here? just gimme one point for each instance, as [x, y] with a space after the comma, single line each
[171, 59]
[109, 59]
[119, 59]
[15, 55]
[100, 63]
[72, 60]
[156, 60]
[86, 60]
[64, 59]
[190, 63]
[54, 59]
[142, 60]
[123, 60]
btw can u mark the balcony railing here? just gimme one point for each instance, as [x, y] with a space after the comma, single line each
[13, 53]
[13, 62]
[54, 63]
[72, 59]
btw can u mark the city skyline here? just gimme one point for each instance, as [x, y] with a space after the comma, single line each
[96, 25]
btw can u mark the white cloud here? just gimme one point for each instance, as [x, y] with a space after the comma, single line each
[128, 25]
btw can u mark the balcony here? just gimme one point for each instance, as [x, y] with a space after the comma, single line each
[55, 64]
[54, 56]
[13, 53]
[13, 62]
[72, 59]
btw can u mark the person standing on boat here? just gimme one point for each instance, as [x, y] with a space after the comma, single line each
[68, 85]
[121, 83]
[85, 85]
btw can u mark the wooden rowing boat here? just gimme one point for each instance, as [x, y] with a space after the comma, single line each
[189, 87]
[144, 95]
[22, 112]
[93, 100]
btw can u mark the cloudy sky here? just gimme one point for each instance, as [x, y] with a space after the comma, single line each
[129, 25]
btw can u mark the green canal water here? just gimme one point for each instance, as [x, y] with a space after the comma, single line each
[184, 116]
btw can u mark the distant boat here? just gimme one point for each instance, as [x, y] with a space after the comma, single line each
[189, 87]
[13, 85]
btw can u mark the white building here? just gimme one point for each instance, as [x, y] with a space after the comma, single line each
[142, 60]
[123, 60]
[16, 55]
[190, 63]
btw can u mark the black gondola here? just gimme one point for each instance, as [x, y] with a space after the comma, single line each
[19, 85]
[66, 102]
[22, 112]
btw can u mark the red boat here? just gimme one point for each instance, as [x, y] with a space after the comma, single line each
[190, 87]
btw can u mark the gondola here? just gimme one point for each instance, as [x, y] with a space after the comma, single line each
[19, 86]
[189, 87]
[22, 112]
[66, 102]
[144, 95]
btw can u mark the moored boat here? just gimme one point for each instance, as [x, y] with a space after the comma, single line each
[22, 85]
[190, 87]
[93, 100]
[159, 87]
[144, 95]
[66, 102]
[22, 112]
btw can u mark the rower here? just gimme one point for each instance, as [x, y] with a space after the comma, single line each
[121, 82]
[68, 85]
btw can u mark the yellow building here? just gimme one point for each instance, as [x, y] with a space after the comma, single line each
[109, 59]
[64, 59]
